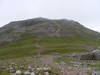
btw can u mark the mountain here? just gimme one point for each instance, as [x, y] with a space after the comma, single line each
[42, 27]
[40, 35]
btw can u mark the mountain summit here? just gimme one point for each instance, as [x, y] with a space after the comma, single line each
[42, 27]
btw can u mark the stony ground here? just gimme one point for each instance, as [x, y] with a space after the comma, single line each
[66, 69]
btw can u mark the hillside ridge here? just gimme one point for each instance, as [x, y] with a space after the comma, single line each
[42, 27]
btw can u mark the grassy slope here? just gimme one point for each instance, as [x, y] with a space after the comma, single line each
[67, 45]
[21, 48]
[25, 47]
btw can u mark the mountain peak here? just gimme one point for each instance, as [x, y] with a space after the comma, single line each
[42, 27]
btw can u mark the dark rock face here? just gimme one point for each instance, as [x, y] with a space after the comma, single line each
[87, 57]
[90, 56]
[42, 27]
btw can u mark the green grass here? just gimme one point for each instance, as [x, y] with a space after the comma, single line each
[67, 45]
[4, 73]
[25, 46]
[21, 48]
[89, 73]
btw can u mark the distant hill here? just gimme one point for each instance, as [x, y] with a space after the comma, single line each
[46, 27]
[29, 37]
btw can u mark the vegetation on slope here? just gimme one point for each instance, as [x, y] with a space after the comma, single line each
[26, 46]
[56, 36]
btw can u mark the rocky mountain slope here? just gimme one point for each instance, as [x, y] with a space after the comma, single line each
[42, 27]
[30, 37]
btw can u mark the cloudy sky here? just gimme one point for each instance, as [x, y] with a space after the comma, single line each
[87, 12]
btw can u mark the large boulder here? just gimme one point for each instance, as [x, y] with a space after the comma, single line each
[90, 56]
[94, 55]
[87, 57]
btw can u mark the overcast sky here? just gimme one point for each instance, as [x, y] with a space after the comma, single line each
[87, 12]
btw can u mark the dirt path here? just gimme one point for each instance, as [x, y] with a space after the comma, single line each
[49, 60]
[41, 48]
[66, 70]
[57, 29]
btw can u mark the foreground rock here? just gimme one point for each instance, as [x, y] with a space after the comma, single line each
[94, 55]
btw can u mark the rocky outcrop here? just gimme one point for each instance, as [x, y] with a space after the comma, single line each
[94, 55]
